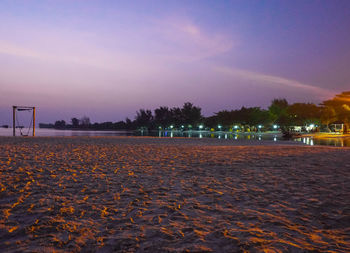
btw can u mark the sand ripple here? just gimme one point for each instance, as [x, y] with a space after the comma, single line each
[151, 195]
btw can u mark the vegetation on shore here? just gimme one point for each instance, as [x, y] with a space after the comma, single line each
[279, 115]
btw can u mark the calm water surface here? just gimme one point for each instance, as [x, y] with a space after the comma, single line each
[338, 142]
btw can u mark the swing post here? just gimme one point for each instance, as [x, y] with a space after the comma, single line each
[33, 121]
[14, 121]
[23, 108]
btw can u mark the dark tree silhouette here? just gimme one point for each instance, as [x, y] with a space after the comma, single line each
[177, 118]
[328, 116]
[84, 122]
[144, 119]
[163, 116]
[191, 115]
[340, 104]
[60, 124]
[75, 122]
[224, 118]
[278, 111]
[129, 124]
[304, 113]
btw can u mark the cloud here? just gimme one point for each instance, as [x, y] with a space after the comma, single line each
[11, 49]
[88, 55]
[151, 44]
[184, 40]
[274, 81]
[26, 52]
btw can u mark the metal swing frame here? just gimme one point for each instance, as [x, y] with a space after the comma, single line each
[22, 108]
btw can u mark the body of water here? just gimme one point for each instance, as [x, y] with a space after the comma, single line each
[46, 132]
[338, 142]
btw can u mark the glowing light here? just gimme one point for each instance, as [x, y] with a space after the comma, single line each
[235, 127]
[171, 127]
[260, 126]
[219, 126]
[200, 126]
[312, 125]
[275, 126]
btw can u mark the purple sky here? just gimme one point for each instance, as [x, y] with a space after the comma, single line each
[107, 59]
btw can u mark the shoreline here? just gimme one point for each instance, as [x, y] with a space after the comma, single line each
[325, 135]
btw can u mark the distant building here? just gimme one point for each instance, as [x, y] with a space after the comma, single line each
[337, 127]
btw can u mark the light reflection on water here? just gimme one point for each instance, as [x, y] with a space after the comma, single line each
[216, 135]
[337, 142]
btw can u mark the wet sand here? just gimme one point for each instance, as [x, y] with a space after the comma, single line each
[130, 194]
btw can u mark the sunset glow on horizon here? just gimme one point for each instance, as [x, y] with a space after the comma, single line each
[107, 59]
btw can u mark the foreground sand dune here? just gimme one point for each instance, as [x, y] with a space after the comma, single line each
[172, 195]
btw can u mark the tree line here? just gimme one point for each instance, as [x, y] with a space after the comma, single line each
[280, 114]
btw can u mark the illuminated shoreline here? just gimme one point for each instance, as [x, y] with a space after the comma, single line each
[326, 135]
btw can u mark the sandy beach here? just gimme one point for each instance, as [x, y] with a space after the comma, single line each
[143, 194]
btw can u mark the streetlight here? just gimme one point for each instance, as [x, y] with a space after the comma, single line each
[200, 126]
[219, 126]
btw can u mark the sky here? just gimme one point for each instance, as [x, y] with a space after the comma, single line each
[107, 59]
